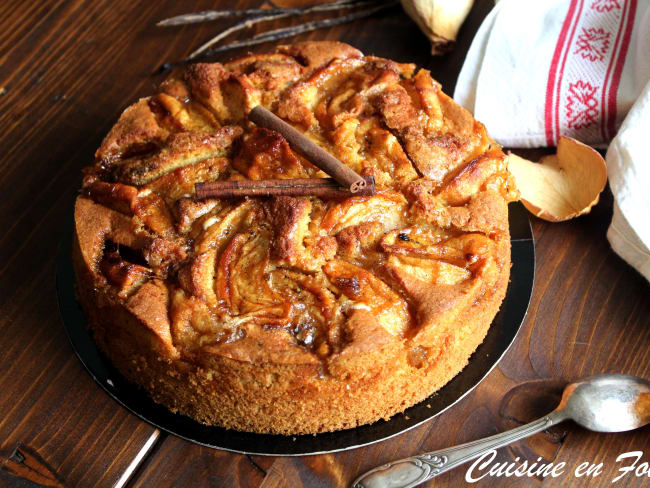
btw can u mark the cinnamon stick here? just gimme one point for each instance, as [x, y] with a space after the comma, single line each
[325, 188]
[315, 154]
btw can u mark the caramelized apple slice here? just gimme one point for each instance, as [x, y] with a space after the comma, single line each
[150, 231]
[426, 91]
[385, 207]
[114, 195]
[150, 304]
[368, 292]
[428, 270]
[95, 224]
[413, 240]
[420, 243]
[390, 158]
[300, 101]
[269, 73]
[136, 128]
[319, 316]
[153, 211]
[187, 116]
[127, 277]
[266, 154]
[194, 324]
[464, 251]
[182, 149]
[242, 284]
[315, 54]
[218, 230]
[370, 150]
[180, 182]
[489, 169]
[436, 148]
[228, 96]
[290, 221]
[142, 203]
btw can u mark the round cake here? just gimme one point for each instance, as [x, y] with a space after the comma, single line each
[290, 314]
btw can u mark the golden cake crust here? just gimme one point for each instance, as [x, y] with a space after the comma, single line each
[293, 314]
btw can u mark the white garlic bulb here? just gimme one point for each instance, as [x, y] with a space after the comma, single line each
[440, 20]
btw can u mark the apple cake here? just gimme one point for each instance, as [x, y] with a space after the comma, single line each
[288, 314]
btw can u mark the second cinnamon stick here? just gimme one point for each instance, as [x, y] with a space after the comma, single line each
[325, 188]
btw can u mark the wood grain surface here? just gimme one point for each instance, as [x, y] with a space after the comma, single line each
[67, 70]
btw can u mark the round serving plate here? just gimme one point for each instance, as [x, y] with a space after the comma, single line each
[502, 332]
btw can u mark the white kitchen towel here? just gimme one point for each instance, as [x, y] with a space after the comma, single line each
[537, 70]
[629, 177]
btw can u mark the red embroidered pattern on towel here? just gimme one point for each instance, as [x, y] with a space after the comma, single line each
[593, 44]
[586, 70]
[605, 5]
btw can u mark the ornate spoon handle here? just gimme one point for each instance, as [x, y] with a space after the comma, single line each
[409, 472]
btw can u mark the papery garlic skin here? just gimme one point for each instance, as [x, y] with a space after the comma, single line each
[561, 186]
[440, 20]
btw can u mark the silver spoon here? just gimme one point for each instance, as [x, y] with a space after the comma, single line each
[602, 403]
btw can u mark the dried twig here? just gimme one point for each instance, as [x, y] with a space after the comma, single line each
[210, 15]
[280, 14]
[285, 32]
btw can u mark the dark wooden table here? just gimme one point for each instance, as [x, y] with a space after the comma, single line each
[67, 70]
